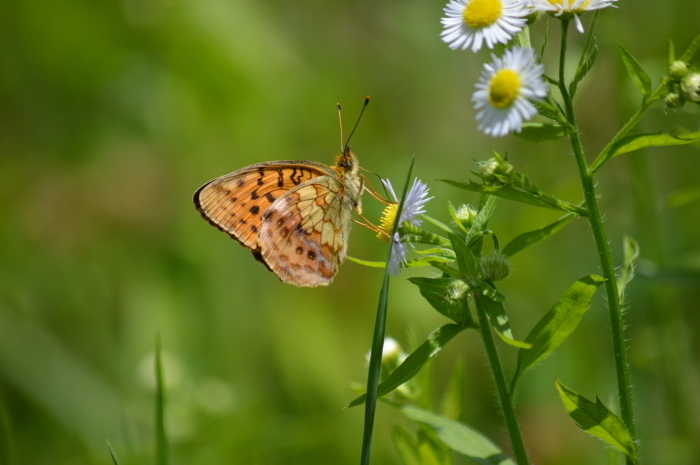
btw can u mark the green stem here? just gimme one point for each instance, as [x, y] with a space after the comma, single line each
[504, 396]
[606, 261]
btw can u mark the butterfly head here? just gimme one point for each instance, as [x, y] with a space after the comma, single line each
[346, 162]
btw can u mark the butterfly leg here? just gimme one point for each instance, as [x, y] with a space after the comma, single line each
[367, 186]
[368, 224]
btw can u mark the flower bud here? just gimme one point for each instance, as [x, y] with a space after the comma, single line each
[690, 85]
[673, 100]
[496, 166]
[495, 267]
[678, 70]
[466, 216]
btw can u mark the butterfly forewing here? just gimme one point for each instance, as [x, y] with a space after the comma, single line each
[304, 233]
[236, 202]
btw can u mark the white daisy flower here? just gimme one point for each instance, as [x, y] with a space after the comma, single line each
[569, 8]
[416, 198]
[473, 22]
[505, 89]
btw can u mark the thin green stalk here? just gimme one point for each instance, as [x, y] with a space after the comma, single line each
[606, 262]
[375, 359]
[516, 439]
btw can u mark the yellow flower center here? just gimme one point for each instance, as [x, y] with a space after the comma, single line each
[582, 7]
[504, 88]
[482, 13]
[386, 223]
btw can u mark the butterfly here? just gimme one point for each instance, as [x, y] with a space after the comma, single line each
[293, 215]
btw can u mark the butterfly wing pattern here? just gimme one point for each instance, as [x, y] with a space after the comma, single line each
[293, 215]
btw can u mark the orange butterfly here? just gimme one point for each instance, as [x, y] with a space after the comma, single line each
[293, 215]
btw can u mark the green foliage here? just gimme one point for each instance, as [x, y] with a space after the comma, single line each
[499, 319]
[630, 248]
[414, 362]
[520, 189]
[597, 420]
[639, 141]
[636, 72]
[557, 324]
[446, 295]
[532, 237]
[161, 437]
[541, 132]
[460, 437]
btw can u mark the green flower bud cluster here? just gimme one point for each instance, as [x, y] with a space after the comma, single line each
[683, 85]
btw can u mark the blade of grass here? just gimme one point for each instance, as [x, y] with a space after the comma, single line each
[375, 359]
[161, 440]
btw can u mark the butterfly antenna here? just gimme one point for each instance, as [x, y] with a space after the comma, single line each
[340, 121]
[358, 121]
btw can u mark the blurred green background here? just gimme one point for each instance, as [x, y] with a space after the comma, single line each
[113, 112]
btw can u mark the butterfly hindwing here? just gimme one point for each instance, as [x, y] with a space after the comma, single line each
[304, 233]
[235, 203]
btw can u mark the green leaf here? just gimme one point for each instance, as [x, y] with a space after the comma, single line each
[452, 402]
[453, 214]
[526, 192]
[413, 363]
[671, 53]
[413, 263]
[487, 207]
[640, 141]
[112, 454]
[558, 323]
[405, 446]
[692, 51]
[596, 419]
[446, 295]
[631, 253]
[499, 320]
[375, 359]
[683, 197]
[460, 437]
[431, 450]
[465, 259]
[541, 132]
[161, 438]
[412, 233]
[583, 69]
[638, 75]
[532, 237]
[437, 223]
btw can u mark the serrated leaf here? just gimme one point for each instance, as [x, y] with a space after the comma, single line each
[541, 132]
[636, 72]
[596, 419]
[499, 321]
[583, 69]
[460, 437]
[531, 237]
[630, 249]
[557, 324]
[526, 192]
[465, 258]
[547, 110]
[413, 363]
[446, 295]
[639, 141]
